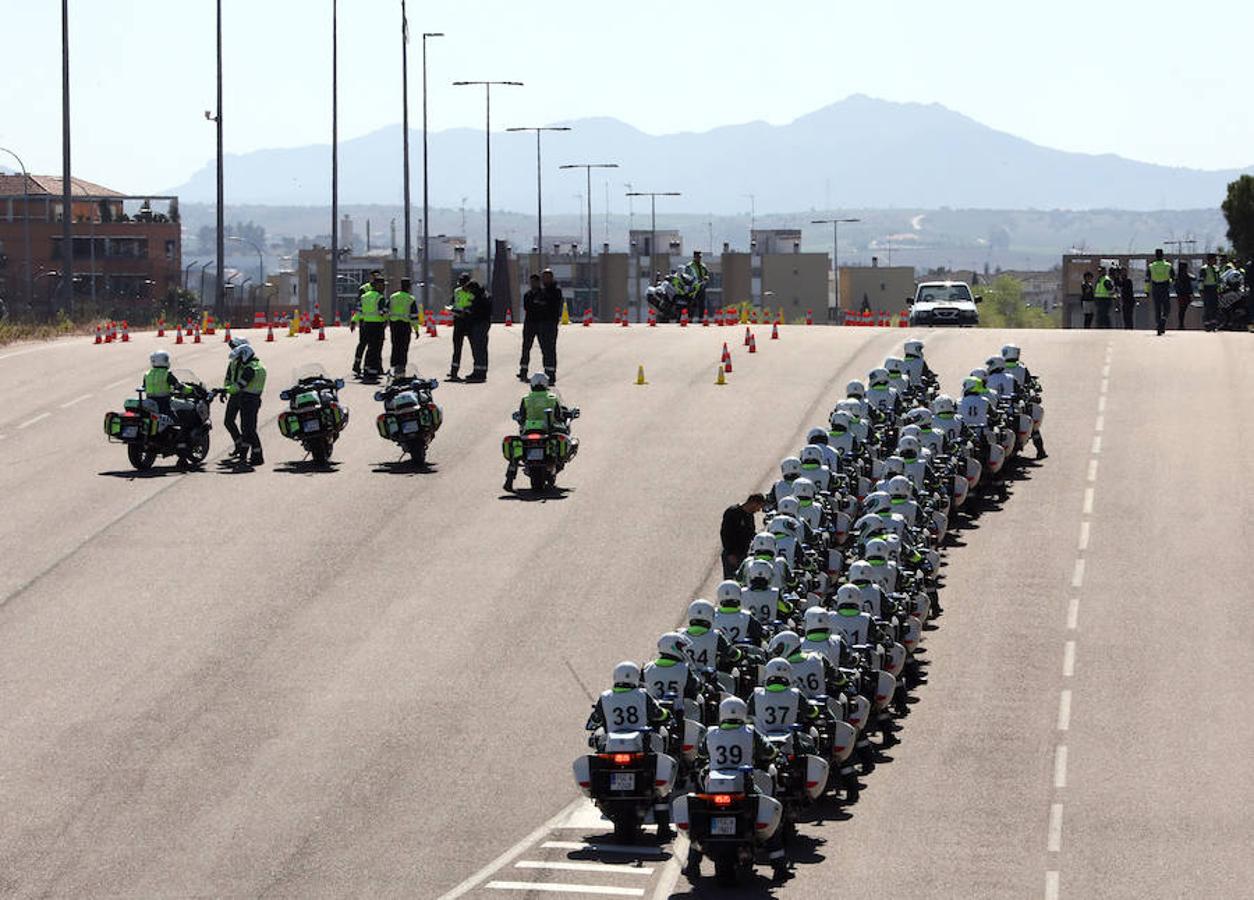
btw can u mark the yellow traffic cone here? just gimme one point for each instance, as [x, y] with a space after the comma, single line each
[422, 316]
[566, 315]
[293, 327]
[722, 374]
[640, 376]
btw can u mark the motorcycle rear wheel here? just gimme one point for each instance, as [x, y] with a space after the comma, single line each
[539, 481]
[320, 451]
[726, 872]
[417, 450]
[140, 458]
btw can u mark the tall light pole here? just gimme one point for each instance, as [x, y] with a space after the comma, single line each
[405, 130]
[835, 223]
[539, 201]
[201, 295]
[588, 167]
[753, 199]
[487, 132]
[335, 162]
[220, 295]
[261, 265]
[30, 281]
[426, 210]
[67, 239]
[653, 195]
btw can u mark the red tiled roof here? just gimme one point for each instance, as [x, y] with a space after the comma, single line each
[50, 185]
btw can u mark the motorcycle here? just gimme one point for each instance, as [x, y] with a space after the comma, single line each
[628, 778]
[314, 416]
[729, 820]
[542, 455]
[149, 433]
[410, 418]
[669, 300]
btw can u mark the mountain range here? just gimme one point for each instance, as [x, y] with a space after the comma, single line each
[857, 153]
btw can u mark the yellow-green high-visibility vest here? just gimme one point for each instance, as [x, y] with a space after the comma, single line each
[157, 383]
[370, 307]
[1103, 289]
[401, 307]
[1160, 271]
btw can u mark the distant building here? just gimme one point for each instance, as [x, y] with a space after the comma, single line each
[875, 287]
[775, 274]
[127, 249]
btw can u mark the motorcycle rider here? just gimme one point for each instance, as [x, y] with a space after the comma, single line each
[159, 381]
[402, 323]
[814, 463]
[880, 395]
[625, 705]
[790, 469]
[818, 636]
[776, 706]
[244, 383]
[540, 410]
[1019, 372]
[709, 647]
[737, 623]
[761, 596]
[916, 367]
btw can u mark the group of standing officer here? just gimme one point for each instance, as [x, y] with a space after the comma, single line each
[1098, 296]
[376, 315]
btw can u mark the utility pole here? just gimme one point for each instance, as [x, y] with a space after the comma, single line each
[67, 237]
[588, 167]
[405, 131]
[539, 201]
[220, 293]
[487, 132]
[653, 195]
[426, 198]
[836, 223]
[335, 163]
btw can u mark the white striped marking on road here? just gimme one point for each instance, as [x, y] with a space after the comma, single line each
[1064, 710]
[1083, 543]
[1073, 613]
[1106, 368]
[619, 869]
[1051, 885]
[67, 404]
[1060, 766]
[1105, 385]
[1097, 444]
[556, 888]
[1088, 501]
[1068, 659]
[1101, 403]
[603, 848]
[1077, 575]
[119, 382]
[32, 421]
[1100, 423]
[1092, 470]
[1055, 827]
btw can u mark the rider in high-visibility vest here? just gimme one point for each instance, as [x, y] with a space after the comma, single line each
[159, 382]
[244, 383]
[701, 275]
[540, 410]
[1159, 274]
[402, 322]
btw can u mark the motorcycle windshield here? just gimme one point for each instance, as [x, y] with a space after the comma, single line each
[187, 376]
[308, 372]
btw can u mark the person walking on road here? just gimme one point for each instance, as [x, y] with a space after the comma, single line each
[1210, 292]
[371, 317]
[1127, 299]
[1184, 292]
[737, 532]
[1103, 297]
[472, 317]
[1159, 274]
[701, 275]
[352, 324]
[245, 380]
[542, 305]
[402, 321]
[1086, 299]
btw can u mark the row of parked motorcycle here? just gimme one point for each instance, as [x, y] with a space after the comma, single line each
[314, 418]
[782, 693]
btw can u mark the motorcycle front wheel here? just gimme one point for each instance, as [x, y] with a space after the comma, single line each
[197, 452]
[140, 458]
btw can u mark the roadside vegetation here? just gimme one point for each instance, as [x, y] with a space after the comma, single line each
[1003, 307]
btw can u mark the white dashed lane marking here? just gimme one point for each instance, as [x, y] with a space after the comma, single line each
[31, 421]
[1097, 444]
[1060, 766]
[1099, 424]
[1073, 614]
[1055, 827]
[1077, 575]
[1068, 659]
[1088, 501]
[598, 868]
[1092, 470]
[1083, 543]
[67, 404]
[1064, 710]
[1101, 403]
[1051, 885]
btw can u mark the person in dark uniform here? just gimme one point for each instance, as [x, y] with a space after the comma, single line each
[472, 317]
[1086, 299]
[402, 322]
[1184, 291]
[543, 306]
[738, 530]
[1127, 299]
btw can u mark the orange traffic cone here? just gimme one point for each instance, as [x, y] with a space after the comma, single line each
[587, 317]
[322, 333]
[652, 317]
[683, 318]
[178, 334]
[747, 336]
[705, 320]
[617, 316]
[753, 344]
[196, 339]
[226, 334]
[809, 317]
[269, 334]
[109, 333]
[99, 339]
[775, 332]
[509, 318]
[161, 327]
[126, 332]
[727, 362]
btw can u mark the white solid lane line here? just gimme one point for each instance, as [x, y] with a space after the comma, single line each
[1064, 710]
[1060, 766]
[1055, 827]
[1083, 543]
[32, 421]
[603, 868]
[1077, 576]
[564, 888]
[1051, 885]
[1073, 613]
[67, 404]
[1068, 659]
[604, 848]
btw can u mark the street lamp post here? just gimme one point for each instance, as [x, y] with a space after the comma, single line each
[335, 161]
[588, 167]
[835, 223]
[487, 131]
[405, 130]
[539, 202]
[426, 211]
[201, 296]
[67, 239]
[220, 298]
[30, 281]
[261, 264]
[653, 195]
[187, 274]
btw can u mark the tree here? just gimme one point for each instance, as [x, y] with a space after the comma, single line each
[1238, 209]
[1003, 307]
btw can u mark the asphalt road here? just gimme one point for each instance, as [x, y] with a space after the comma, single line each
[372, 681]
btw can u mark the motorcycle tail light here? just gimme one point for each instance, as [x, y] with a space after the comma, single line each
[622, 759]
[682, 826]
[761, 826]
[721, 799]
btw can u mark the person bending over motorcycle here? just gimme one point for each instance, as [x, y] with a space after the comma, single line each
[541, 410]
[245, 380]
[159, 382]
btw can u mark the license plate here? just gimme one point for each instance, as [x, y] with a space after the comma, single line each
[310, 425]
[129, 431]
[723, 826]
[622, 781]
[535, 453]
[409, 427]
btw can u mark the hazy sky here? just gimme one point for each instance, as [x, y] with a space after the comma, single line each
[1140, 79]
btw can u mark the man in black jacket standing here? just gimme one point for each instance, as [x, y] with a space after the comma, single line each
[737, 532]
[543, 307]
[472, 317]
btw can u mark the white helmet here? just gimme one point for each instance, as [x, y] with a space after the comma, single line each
[995, 364]
[674, 645]
[849, 597]
[855, 388]
[790, 467]
[840, 421]
[860, 572]
[701, 614]
[971, 385]
[1010, 353]
[913, 348]
[803, 490]
[910, 431]
[979, 372]
[921, 416]
[236, 341]
[908, 445]
[728, 594]
[784, 644]
[943, 404]
[777, 670]
[763, 544]
[732, 711]
[894, 465]
[894, 364]
[816, 619]
[759, 574]
[243, 353]
[626, 675]
[900, 488]
[878, 378]
[539, 381]
[159, 359]
[878, 502]
[789, 509]
[876, 550]
[810, 455]
[815, 436]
